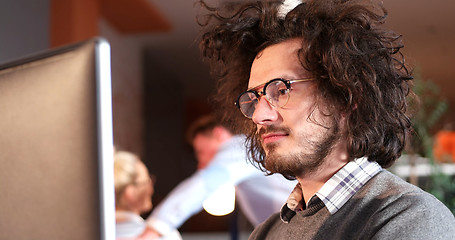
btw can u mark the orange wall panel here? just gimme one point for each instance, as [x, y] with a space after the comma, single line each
[73, 21]
[134, 16]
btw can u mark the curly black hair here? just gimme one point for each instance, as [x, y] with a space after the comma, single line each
[358, 65]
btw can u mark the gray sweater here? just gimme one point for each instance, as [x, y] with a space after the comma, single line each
[385, 208]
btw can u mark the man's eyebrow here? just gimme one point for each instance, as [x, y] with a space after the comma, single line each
[256, 87]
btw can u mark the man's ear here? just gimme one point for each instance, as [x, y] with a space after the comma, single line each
[354, 107]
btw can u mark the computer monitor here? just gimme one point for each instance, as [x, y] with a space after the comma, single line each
[56, 146]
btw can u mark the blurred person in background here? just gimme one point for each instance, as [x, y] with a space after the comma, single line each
[133, 196]
[222, 159]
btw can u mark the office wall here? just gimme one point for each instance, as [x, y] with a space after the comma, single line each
[24, 28]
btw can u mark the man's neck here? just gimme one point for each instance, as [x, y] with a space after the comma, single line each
[311, 182]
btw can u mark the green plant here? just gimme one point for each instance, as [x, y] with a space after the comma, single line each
[431, 107]
[442, 186]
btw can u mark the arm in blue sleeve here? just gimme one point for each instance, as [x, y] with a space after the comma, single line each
[229, 166]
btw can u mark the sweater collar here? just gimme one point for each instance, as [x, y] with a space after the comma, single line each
[336, 191]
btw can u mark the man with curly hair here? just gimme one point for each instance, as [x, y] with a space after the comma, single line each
[321, 87]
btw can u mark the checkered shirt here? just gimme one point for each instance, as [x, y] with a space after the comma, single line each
[340, 187]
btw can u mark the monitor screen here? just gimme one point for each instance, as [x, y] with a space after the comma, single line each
[56, 177]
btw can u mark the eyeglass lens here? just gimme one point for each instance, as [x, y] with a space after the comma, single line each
[276, 93]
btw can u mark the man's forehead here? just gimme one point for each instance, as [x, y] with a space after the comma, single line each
[276, 61]
[259, 55]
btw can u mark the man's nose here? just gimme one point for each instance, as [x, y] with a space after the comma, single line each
[264, 113]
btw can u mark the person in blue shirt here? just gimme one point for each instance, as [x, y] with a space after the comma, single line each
[133, 196]
[222, 159]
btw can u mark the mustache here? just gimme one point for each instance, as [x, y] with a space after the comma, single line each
[273, 128]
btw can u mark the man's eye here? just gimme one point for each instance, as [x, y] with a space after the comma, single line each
[282, 91]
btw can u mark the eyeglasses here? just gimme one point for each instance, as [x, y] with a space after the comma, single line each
[276, 91]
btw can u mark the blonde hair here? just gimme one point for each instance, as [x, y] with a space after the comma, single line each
[125, 171]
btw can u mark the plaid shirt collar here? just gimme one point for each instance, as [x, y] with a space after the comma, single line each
[338, 189]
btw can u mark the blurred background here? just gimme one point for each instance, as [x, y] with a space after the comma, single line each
[160, 84]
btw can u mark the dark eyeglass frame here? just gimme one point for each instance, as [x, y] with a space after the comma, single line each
[258, 95]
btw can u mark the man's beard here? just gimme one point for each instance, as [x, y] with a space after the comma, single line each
[295, 164]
